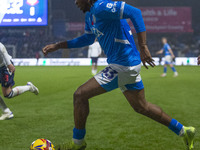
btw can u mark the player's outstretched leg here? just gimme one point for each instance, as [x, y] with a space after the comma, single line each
[7, 114]
[138, 102]
[81, 110]
[33, 88]
[164, 71]
[174, 70]
[10, 92]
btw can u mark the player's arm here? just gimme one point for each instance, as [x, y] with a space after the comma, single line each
[159, 52]
[171, 52]
[89, 51]
[6, 58]
[144, 51]
[136, 17]
[84, 40]
[198, 59]
[100, 50]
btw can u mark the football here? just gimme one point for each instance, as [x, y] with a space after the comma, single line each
[42, 144]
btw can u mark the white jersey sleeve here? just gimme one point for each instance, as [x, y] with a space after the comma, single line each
[89, 51]
[99, 49]
[4, 56]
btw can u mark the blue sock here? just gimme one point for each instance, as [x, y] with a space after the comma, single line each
[175, 126]
[173, 69]
[165, 69]
[79, 133]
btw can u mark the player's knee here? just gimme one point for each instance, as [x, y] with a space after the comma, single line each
[79, 94]
[10, 95]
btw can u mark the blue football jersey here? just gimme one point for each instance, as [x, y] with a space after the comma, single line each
[166, 48]
[107, 21]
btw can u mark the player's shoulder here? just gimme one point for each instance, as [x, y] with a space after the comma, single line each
[166, 45]
[99, 5]
[1, 45]
[92, 46]
[97, 43]
[104, 5]
[87, 15]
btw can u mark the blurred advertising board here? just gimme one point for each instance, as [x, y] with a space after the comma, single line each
[87, 61]
[167, 19]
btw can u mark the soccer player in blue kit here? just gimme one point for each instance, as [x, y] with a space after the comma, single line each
[105, 20]
[169, 56]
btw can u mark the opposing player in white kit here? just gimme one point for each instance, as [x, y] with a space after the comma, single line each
[169, 56]
[94, 52]
[7, 70]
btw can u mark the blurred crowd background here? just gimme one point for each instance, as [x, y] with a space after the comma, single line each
[66, 22]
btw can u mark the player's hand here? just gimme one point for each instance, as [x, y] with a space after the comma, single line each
[198, 59]
[11, 68]
[49, 48]
[173, 59]
[146, 57]
[144, 51]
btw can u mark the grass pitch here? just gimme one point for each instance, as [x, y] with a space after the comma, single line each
[112, 123]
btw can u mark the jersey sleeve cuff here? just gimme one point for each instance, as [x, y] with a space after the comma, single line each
[140, 30]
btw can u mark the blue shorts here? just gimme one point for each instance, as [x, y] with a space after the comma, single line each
[123, 77]
[6, 77]
[94, 59]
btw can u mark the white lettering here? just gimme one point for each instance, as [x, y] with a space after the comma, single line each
[170, 12]
[14, 7]
[109, 5]
[149, 12]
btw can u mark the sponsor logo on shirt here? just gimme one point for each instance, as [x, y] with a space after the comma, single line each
[97, 32]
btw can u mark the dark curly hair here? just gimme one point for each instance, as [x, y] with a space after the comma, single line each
[92, 1]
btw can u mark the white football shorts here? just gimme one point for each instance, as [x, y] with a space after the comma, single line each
[124, 77]
[168, 59]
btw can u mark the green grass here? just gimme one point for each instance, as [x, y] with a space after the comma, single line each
[112, 123]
